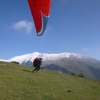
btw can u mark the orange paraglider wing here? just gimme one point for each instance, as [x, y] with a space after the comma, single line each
[40, 10]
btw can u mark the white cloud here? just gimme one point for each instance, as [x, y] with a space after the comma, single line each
[91, 49]
[97, 48]
[23, 25]
[86, 49]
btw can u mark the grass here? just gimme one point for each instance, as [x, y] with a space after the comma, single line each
[19, 83]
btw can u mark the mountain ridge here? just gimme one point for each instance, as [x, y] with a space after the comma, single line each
[63, 62]
[47, 56]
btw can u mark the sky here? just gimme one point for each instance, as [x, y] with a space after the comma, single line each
[73, 27]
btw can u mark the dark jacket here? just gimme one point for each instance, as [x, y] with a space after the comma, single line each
[37, 61]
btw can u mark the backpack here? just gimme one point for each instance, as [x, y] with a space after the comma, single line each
[35, 60]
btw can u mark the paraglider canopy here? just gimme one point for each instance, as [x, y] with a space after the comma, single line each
[40, 10]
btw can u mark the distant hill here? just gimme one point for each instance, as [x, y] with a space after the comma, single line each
[89, 67]
[64, 62]
[17, 82]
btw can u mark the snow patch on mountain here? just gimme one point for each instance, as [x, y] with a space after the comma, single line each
[4, 60]
[46, 57]
[61, 55]
[25, 58]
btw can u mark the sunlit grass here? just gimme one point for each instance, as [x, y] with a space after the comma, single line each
[19, 83]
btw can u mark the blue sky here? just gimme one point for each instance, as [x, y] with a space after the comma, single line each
[73, 26]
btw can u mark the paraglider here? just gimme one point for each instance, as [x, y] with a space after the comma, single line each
[40, 10]
[37, 63]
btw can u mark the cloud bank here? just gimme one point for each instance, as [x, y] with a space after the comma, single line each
[23, 25]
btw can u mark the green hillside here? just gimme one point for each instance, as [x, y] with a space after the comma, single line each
[19, 83]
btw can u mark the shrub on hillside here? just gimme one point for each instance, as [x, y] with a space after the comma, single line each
[42, 67]
[15, 62]
[72, 74]
[81, 75]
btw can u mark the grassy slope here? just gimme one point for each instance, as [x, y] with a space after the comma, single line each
[18, 83]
